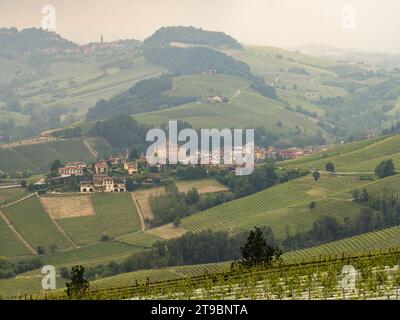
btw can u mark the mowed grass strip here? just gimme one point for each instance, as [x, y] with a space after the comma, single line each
[116, 215]
[34, 224]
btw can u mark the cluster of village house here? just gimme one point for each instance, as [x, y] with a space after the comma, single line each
[101, 181]
[286, 154]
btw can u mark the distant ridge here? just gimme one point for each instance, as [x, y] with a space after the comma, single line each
[190, 35]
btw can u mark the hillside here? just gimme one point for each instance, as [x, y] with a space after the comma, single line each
[190, 36]
[362, 156]
[37, 158]
[247, 108]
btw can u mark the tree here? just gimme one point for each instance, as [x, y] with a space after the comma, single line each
[54, 167]
[316, 175]
[312, 205]
[134, 155]
[330, 167]
[355, 194]
[177, 222]
[78, 286]
[256, 251]
[192, 197]
[23, 183]
[385, 169]
[40, 250]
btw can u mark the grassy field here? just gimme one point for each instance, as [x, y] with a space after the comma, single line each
[30, 219]
[246, 109]
[115, 216]
[10, 245]
[80, 84]
[361, 156]
[139, 239]
[8, 195]
[25, 284]
[91, 255]
[280, 206]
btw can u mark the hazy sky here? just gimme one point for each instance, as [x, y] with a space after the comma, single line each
[374, 25]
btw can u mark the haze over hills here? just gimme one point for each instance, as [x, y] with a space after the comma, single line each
[65, 105]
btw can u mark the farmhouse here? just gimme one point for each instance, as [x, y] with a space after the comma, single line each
[215, 100]
[131, 167]
[87, 186]
[103, 183]
[101, 167]
[69, 171]
[116, 160]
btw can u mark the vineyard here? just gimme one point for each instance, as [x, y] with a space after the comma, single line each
[360, 156]
[115, 215]
[364, 276]
[38, 157]
[260, 208]
[30, 219]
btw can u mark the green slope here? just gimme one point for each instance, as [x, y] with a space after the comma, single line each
[361, 156]
[246, 109]
[282, 206]
[30, 219]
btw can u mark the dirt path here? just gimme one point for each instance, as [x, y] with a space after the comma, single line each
[17, 234]
[139, 211]
[92, 152]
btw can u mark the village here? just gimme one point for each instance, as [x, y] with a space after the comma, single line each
[117, 172]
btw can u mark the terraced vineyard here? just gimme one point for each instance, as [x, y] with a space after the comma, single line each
[37, 158]
[245, 213]
[387, 185]
[363, 158]
[384, 239]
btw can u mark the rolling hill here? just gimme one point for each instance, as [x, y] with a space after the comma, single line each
[362, 156]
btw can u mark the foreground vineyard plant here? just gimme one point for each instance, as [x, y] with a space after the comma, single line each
[377, 277]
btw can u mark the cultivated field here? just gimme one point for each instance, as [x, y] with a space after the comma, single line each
[279, 206]
[203, 186]
[361, 156]
[115, 216]
[37, 158]
[31, 220]
[59, 207]
[8, 195]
